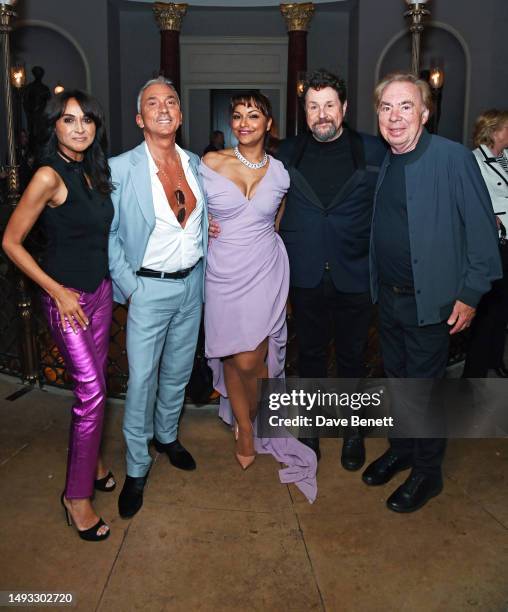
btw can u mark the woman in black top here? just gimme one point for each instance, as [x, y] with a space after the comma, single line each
[71, 193]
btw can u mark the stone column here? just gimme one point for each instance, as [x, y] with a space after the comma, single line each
[297, 17]
[169, 18]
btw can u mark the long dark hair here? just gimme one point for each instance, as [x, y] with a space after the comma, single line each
[95, 161]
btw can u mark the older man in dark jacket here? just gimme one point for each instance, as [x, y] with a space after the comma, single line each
[433, 254]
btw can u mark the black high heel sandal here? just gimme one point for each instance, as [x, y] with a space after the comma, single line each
[100, 483]
[90, 535]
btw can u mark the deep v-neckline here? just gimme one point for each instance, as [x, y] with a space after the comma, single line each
[236, 186]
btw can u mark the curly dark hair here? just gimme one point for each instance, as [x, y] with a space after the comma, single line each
[95, 161]
[321, 78]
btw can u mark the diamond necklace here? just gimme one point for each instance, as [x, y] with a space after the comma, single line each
[249, 164]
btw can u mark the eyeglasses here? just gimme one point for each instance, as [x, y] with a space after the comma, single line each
[180, 200]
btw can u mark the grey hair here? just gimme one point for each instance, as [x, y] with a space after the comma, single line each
[162, 80]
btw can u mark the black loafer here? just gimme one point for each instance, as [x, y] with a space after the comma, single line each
[383, 469]
[178, 455]
[312, 443]
[131, 496]
[414, 493]
[353, 453]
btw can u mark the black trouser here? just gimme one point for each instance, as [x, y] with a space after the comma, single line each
[314, 310]
[410, 351]
[488, 330]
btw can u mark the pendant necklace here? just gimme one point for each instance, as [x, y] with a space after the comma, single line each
[179, 194]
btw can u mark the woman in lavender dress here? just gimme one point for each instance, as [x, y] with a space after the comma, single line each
[247, 283]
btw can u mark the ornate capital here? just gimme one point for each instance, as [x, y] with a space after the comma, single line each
[297, 16]
[6, 14]
[169, 16]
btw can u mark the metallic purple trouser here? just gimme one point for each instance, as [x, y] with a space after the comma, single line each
[85, 355]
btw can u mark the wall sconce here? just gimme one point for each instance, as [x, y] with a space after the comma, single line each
[417, 12]
[300, 86]
[436, 78]
[29, 353]
[58, 89]
[18, 76]
[436, 82]
[300, 83]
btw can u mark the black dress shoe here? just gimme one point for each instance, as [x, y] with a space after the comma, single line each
[415, 492]
[312, 443]
[131, 496]
[178, 455]
[353, 453]
[384, 468]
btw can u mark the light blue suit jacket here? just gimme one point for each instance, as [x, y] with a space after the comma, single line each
[134, 218]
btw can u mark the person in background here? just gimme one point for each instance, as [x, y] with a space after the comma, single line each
[216, 142]
[488, 331]
[35, 97]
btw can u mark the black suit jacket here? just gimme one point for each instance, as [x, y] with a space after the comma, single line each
[337, 235]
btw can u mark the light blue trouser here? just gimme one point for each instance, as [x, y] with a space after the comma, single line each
[162, 331]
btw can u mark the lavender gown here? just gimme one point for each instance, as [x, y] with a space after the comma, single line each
[246, 288]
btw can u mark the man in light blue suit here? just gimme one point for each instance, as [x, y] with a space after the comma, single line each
[157, 251]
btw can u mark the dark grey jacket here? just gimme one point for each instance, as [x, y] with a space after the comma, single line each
[452, 229]
[339, 234]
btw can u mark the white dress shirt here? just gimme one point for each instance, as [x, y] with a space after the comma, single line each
[172, 247]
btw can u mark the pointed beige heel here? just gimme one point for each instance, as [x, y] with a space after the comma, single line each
[245, 461]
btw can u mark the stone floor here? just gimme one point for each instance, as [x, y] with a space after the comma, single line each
[218, 539]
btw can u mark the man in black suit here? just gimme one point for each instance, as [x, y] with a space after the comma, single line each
[326, 229]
